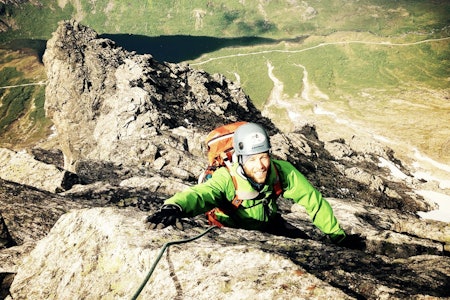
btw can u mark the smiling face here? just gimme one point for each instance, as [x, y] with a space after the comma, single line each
[257, 166]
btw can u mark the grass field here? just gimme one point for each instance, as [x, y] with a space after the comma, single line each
[345, 67]
[361, 57]
[22, 116]
[228, 18]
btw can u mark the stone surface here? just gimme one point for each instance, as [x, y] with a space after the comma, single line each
[116, 264]
[29, 213]
[107, 253]
[23, 168]
[132, 108]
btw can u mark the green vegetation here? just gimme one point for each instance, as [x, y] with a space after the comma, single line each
[22, 116]
[13, 100]
[38, 114]
[32, 22]
[224, 18]
[8, 74]
[335, 68]
[348, 48]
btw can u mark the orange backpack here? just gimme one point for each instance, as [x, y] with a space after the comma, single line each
[220, 149]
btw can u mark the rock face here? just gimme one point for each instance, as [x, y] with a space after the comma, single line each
[125, 257]
[129, 109]
[107, 253]
[130, 131]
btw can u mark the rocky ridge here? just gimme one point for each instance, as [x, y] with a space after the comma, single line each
[129, 134]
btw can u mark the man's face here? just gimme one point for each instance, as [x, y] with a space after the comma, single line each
[257, 167]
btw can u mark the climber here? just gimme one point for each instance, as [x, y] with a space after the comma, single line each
[244, 194]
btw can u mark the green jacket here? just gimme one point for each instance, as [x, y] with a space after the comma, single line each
[255, 213]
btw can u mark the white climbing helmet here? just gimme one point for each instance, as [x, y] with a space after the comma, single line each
[250, 139]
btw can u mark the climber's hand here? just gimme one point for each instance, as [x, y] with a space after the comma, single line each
[353, 241]
[169, 214]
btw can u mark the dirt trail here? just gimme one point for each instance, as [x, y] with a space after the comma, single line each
[386, 43]
[24, 84]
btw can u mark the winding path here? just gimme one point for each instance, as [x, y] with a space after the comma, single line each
[24, 84]
[319, 46]
[280, 51]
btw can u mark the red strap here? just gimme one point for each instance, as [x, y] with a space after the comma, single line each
[212, 218]
[236, 202]
[277, 186]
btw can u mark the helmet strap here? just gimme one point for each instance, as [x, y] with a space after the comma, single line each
[239, 159]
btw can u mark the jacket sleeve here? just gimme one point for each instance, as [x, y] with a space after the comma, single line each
[205, 196]
[299, 189]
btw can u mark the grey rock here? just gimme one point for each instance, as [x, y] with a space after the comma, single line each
[129, 108]
[23, 168]
[107, 253]
[29, 214]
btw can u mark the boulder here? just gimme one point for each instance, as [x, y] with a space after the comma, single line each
[23, 168]
[108, 253]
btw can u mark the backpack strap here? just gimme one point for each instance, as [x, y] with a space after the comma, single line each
[212, 217]
[277, 189]
[237, 201]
